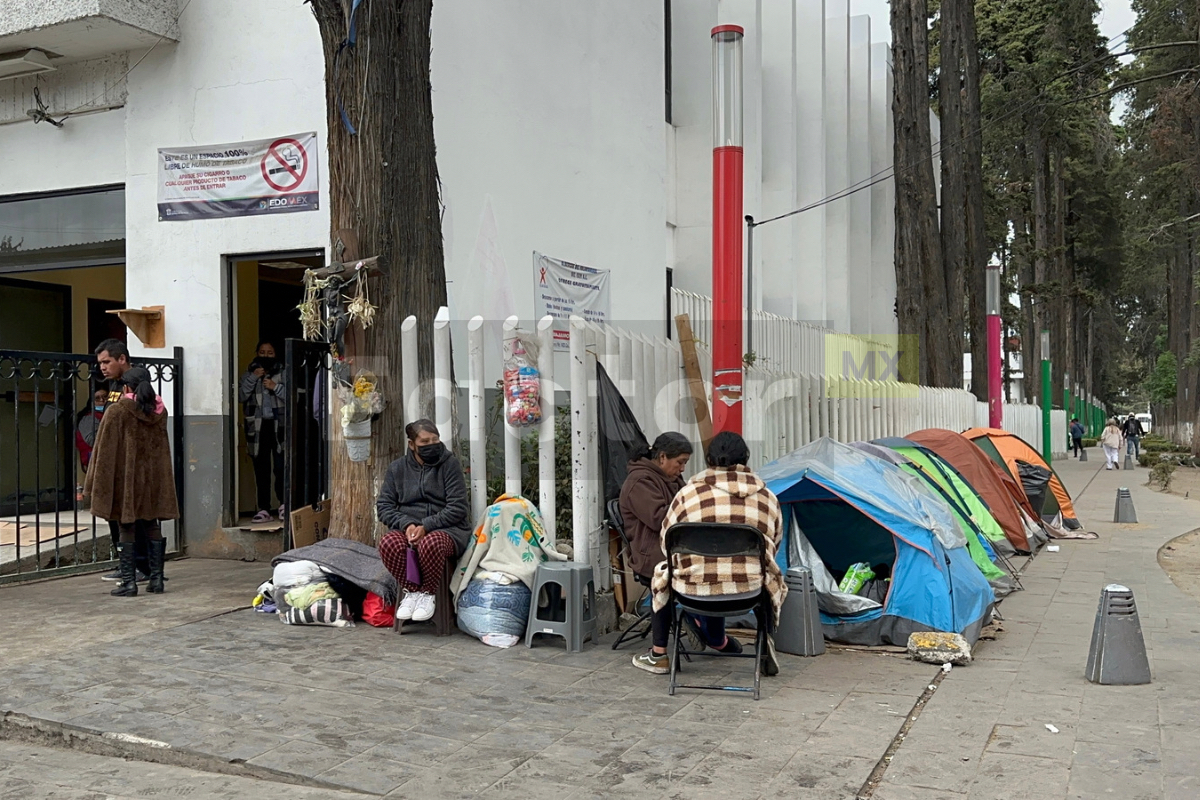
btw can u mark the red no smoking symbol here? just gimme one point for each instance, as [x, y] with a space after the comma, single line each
[285, 165]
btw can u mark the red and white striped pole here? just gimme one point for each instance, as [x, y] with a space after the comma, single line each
[727, 273]
[995, 355]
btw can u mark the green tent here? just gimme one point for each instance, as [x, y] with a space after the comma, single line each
[933, 477]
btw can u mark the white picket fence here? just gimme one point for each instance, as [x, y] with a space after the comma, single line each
[782, 412]
[782, 345]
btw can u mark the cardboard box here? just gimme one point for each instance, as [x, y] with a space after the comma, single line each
[310, 524]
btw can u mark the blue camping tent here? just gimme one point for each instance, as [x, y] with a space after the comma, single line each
[844, 506]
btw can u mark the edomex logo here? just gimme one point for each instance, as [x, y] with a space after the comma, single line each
[856, 366]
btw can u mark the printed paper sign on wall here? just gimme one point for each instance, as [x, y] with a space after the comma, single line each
[266, 176]
[563, 289]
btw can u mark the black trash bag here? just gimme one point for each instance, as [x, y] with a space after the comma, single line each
[619, 432]
[1035, 481]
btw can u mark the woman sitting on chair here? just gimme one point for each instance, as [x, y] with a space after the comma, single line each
[424, 505]
[655, 475]
[727, 492]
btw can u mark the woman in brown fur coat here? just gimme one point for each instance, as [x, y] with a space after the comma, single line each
[130, 479]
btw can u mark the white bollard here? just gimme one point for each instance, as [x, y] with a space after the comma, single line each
[443, 387]
[512, 436]
[409, 377]
[580, 465]
[546, 438]
[478, 430]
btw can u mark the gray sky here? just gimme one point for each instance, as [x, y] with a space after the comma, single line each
[1115, 16]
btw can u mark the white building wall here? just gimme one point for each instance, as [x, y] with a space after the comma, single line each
[556, 111]
[809, 112]
[224, 82]
[837, 168]
[775, 241]
[858, 267]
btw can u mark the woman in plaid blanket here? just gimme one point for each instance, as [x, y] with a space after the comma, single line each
[728, 491]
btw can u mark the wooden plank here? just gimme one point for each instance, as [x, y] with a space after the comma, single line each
[691, 368]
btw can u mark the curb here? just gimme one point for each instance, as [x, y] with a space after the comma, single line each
[22, 728]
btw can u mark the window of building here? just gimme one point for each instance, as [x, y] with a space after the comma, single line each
[62, 231]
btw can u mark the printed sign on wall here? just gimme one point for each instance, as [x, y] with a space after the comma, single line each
[266, 176]
[563, 290]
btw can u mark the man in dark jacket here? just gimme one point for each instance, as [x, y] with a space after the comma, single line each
[1133, 433]
[423, 503]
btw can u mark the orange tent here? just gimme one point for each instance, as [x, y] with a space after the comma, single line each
[1006, 449]
[1003, 497]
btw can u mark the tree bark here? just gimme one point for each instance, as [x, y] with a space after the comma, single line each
[384, 188]
[1041, 244]
[920, 284]
[954, 187]
[978, 251]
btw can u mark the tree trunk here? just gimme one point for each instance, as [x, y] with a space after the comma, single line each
[978, 253]
[1023, 246]
[1041, 244]
[1058, 306]
[384, 188]
[920, 284]
[954, 187]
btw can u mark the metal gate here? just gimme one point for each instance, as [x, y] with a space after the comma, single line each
[45, 414]
[306, 438]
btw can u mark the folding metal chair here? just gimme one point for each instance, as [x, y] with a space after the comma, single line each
[718, 540]
[640, 628]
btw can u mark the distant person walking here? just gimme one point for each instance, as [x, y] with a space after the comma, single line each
[130, 478]
[1133, 431]
[1076, 436]
[1110, 440]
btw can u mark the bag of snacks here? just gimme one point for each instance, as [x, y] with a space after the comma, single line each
[522, 383]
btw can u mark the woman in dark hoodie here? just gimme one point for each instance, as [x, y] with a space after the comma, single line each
[130, 478]
[651, 483]
[424, 505]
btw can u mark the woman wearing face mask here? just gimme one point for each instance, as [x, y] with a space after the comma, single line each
[424, 505]
[262, 397]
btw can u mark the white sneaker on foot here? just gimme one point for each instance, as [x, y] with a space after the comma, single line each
[424, 607]
[405, 610]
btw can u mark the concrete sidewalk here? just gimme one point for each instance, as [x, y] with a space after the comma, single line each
[984, 735]
[417, 716]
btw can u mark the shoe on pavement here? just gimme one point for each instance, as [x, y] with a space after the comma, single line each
[657, 663]
[731, 645]
[693, 634]
[115, 577]
[423, 608]
[405, 609]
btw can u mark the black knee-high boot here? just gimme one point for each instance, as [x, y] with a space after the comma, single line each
[128, 585]
[158, 553]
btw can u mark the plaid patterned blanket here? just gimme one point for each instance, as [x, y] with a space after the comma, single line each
[724, 494]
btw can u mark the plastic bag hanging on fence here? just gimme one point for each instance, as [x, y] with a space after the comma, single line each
[522, 383]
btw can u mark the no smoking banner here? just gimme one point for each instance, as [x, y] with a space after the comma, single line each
[266, 176]
[285, 165]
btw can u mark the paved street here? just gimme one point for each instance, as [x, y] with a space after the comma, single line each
[369, 712]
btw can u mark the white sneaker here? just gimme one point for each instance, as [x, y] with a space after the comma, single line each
[405, 610]
[424, 607]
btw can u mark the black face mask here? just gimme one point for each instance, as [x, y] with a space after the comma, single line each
[431, 453]
[268, 363]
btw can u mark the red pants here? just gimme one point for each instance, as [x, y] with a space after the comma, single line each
[433, 550]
